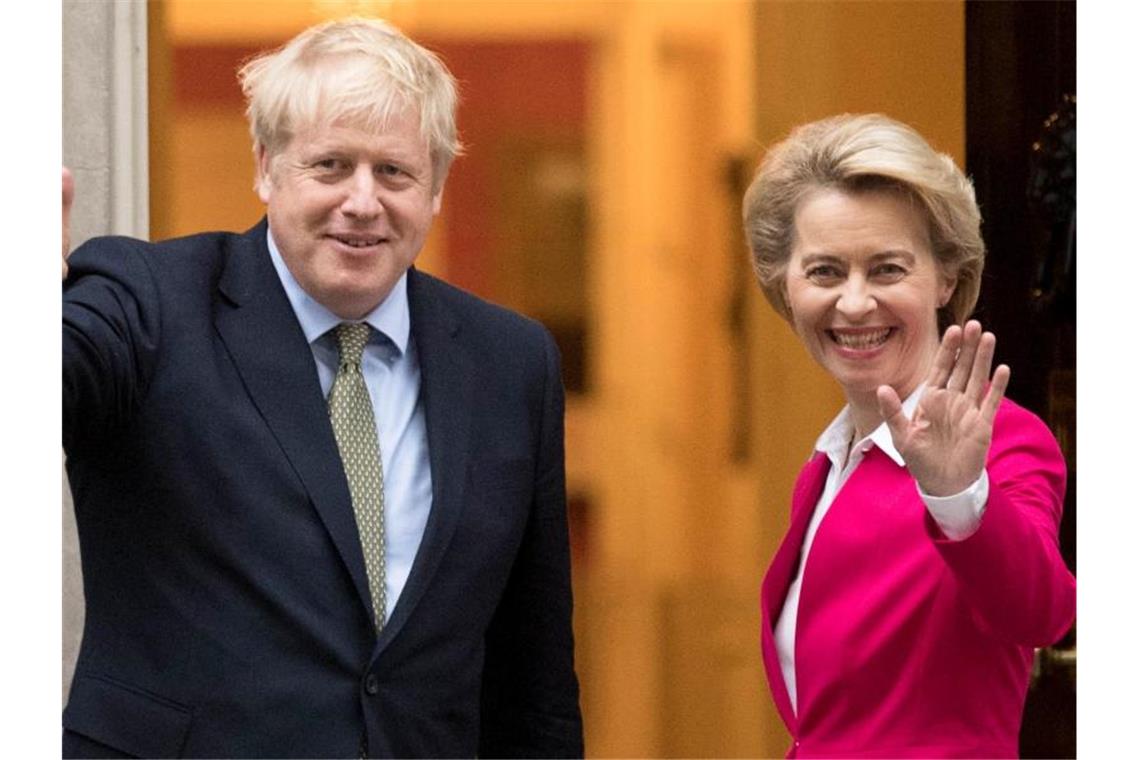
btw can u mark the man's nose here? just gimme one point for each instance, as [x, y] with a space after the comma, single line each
[363, 194]
[856, 299]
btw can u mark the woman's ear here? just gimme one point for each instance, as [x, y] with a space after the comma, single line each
[784, 297]
[946, 287]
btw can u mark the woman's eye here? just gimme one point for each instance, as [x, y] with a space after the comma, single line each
[890, 270]
[823, 272]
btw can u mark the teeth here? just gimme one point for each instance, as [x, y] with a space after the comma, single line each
[861, 340]
[359, 243]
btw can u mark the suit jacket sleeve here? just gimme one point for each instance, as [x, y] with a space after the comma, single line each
[530, 692]
[1011, 568]
[110, 334]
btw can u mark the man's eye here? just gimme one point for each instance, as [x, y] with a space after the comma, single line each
[389, 170]
[328, 164]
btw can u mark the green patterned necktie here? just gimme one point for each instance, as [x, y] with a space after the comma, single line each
[355, 429]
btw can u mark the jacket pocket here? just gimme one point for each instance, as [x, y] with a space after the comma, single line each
[125, 718]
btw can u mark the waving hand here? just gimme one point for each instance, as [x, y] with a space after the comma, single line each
[945, 443]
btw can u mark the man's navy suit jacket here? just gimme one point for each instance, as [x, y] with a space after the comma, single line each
[227, 604]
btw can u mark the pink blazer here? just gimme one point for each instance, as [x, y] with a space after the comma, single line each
[909, 644]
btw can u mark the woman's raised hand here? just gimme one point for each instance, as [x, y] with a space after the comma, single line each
[945, 443]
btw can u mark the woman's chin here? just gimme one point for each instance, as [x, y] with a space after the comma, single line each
[860, 386]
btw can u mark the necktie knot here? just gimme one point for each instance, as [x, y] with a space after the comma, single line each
[351, 338]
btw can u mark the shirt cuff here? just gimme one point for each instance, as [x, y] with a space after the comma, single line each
[959, 515]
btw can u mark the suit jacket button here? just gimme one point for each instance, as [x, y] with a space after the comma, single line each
[372, 684]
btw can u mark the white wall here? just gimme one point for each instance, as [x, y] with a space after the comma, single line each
[105, 146]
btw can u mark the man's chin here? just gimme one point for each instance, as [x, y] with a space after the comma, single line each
[354, 304]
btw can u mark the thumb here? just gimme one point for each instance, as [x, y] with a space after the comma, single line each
[890, 408]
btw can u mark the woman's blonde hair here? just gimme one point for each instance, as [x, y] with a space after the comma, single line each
[352, 71]
[856, 153]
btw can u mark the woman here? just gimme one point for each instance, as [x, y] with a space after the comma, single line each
[921, 565]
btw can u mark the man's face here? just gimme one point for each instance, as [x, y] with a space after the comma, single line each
[350, 209]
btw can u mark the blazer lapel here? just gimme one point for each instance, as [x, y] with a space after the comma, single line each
[261, 333]
[446, 388]
[774, 590]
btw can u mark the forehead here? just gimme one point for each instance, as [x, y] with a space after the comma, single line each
[840, 221]
[399, 133]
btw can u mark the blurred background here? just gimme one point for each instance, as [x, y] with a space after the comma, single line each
[609, 145]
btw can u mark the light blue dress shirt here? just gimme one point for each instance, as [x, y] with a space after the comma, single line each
[391, 370]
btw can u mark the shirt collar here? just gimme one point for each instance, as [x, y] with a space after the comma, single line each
[835, 438]
[391, 317]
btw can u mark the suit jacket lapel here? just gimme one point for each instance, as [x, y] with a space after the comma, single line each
[261, 333]
[808, 488]
[446, 388]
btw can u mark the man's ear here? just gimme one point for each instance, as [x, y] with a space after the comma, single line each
[262, 183]
[437, 193]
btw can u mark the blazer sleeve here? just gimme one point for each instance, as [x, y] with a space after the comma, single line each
[111, 328]
[1011, 568]
[529, 703]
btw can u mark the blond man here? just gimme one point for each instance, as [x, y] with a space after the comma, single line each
[320, 494]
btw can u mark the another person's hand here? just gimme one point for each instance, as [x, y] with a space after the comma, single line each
[68, 197]
[946, 442]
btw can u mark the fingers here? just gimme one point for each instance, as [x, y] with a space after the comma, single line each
[944, 359]
[68, 186]
[971, 335]
[980, 372]
[996, 393]
[68, 198]
[890, 407]
[971, 367]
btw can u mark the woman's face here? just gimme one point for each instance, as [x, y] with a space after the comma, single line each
[864, 289]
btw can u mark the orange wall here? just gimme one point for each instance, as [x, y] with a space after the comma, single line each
[906, 59]
[511, 88]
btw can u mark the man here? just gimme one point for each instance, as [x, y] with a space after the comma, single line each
[320, 495]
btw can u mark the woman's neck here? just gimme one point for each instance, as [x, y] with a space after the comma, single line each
[865, 416]
[865, 409]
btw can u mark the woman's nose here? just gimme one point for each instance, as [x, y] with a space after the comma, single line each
[855, 299]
